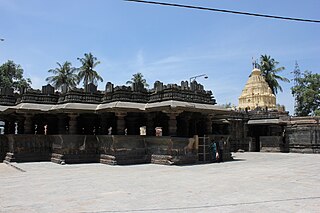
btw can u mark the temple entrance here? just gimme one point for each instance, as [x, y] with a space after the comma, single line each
[255, 131]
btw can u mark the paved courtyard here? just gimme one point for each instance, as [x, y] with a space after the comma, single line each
[254, 182]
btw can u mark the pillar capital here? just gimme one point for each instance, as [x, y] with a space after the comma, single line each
[73, 115]
[121, 114]
[172, 113]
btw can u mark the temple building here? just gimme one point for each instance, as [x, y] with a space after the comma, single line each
[256, 93]
[168, 124]
[88, 125]
[180, 110]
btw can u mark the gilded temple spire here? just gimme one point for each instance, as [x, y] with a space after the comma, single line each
[256, 92]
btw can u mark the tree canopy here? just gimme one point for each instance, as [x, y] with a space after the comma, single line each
[138, 79]
[87, 72]
[11, 75]
[307, 94]
[64, 75]
[270, 71]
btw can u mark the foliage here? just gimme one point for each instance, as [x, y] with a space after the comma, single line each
[63, 75]
[87, 72]
[11, 75]
[268, 67]
[307, 94]
[228, 105]
[138, 78]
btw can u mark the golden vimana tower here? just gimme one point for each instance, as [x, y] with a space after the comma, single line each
[256, 93]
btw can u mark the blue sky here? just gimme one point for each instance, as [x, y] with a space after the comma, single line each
[164, 43]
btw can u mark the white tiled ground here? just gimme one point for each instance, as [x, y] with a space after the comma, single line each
[254, 182]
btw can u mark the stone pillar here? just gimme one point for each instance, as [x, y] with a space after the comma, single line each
[20, 121]
[62, 124]
[9, 127]
[172, 123]
[121, 123]
[209, 124]
[150, 124]
[73, 124]
[184, 130]
[28, 124]
[104, 124]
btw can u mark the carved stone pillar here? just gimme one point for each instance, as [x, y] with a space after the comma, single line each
[121, 123]
[73, 124]
[28, 124]
[172, 123]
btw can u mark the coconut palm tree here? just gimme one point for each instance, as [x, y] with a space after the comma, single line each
[64, 75]
[269, 70]
[138, 79]
[87, 72]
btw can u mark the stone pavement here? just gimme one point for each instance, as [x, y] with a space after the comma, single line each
[254, 182]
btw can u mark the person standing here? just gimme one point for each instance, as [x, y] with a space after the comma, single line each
[213, 147]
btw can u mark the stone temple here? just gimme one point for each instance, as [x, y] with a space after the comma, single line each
[168, 124]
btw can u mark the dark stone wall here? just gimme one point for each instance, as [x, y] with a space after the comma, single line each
[303, 138]
[273, 144]
[74, 148]
[108, 149]
[171, 150]
[122, 149]
[28, 148]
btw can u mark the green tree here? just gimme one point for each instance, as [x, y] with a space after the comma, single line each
[87, 72]
[307, 94]
[270, 71]
[11, 75]
[63, 75]
[227, 105]
[138, 79]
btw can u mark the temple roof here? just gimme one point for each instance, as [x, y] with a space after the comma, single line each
[256, 93]
[112, 106]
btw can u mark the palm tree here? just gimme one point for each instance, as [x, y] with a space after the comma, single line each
[64, 75]
[268, 67]
[138, 79]
[87, 72]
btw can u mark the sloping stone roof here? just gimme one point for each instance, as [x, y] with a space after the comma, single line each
[66, 107]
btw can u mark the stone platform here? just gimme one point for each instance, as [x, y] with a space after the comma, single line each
[107, 149]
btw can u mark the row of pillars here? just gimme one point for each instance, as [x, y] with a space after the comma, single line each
[24, 124]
